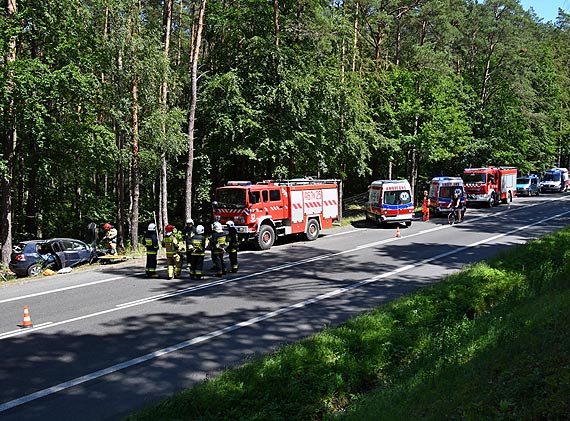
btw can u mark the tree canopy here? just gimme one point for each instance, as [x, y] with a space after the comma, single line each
[96, 95]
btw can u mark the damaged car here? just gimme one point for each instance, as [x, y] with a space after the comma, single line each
[32, 258]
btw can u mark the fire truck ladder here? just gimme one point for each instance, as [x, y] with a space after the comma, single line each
[302, 181]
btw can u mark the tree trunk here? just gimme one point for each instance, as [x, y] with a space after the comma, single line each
[192, 113]
[9, 139]
[276, 22]
[163, 202]
[135, 168]
[180, 15]
[355, 40]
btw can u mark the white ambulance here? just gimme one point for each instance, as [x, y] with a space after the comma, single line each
[390, 201]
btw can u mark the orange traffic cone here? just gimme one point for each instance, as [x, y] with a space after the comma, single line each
[398, 232]
[27, 320]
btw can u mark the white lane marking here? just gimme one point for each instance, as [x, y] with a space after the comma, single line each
[29, 329]
[356, 230]
[228, 329]
[159, 297]
[52, 291]
[212, 284]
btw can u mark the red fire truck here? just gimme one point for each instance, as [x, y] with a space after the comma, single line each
[490, 185]
[264, 210]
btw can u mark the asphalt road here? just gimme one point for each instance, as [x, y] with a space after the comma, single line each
[109, 341]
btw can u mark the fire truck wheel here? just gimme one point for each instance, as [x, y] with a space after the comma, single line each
[312, 232]
[265, 237]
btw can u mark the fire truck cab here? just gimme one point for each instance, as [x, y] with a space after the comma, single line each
[390, 201]
[441, 191]
[490, 186]
[268, 209]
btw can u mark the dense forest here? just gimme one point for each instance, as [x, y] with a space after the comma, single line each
[130, 111]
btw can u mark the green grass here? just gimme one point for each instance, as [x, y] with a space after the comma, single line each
[490, 342]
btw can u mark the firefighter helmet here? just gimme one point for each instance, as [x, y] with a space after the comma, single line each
[151, 227]
[200, 229]
[190, 221]
[107, 226]
[230, 223]
[217, 227]
[169, 228]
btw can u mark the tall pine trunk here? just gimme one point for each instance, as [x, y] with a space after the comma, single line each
[163, 202]
[9, 138]
[192, 113]
[135, 168]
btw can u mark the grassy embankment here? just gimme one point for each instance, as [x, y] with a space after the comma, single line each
[491, 342]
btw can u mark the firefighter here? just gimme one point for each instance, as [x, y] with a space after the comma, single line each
[233, 246]
[170, 243]
[425, 208]
[187, 233]
[198, 252]
[110, 239]
[181, 248]
[151, 244]
[218, 248]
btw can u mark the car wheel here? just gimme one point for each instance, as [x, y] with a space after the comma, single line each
[265, 237]
[35, 269]
[312, 230]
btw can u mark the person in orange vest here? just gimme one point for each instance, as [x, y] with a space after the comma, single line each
[170, 244]
[425, 208]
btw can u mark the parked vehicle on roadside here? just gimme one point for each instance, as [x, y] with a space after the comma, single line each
[390, 201]
[555, 180]
[265, 210]
[490, 186]
[32, 258]
[441, 190]
[528, 185]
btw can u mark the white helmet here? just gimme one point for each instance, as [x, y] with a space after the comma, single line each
[151, 227]
[200, 229]
[230, 223]
[190, 221]
[217, 227]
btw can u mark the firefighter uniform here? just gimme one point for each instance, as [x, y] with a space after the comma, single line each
[218, 246]
[151, 244]
[110, 239]
[233, 246]
[198, 252]
[170, 244]
[187, 233]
